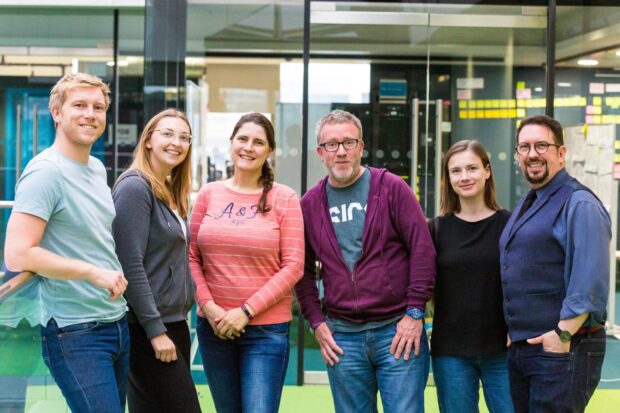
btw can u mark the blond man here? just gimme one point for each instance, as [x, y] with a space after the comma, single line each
[60, 229]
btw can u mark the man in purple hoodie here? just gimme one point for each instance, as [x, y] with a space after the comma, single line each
[367, 239]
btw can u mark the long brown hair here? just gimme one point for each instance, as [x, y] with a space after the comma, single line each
[267, 175]
[177, 187]
[450, 203]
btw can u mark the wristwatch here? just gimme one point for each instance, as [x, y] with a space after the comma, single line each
[415, 313]
[565, 335]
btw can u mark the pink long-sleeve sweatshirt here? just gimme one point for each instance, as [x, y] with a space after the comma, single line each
[240, 256]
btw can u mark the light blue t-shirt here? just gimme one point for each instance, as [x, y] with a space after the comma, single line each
[347, 209]
[76, 202]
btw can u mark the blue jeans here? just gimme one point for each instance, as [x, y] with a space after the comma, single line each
[89, 362]
[367, 366]
[556, 382]
[457, 380]
[245, 374]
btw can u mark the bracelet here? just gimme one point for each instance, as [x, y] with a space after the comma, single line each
[247, 312]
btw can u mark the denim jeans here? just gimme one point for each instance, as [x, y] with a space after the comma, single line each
[89, 362]
[457, 380]
[245, 374]
[367, 366]
[556, 382]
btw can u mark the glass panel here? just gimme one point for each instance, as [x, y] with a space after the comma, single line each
[486, 64]
[238, 54]
[131, 78]
[587, 103]
[37, 49]
[438, 74]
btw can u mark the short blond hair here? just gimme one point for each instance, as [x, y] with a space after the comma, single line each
[58, 94]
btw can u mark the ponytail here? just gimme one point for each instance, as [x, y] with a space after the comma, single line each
[266, 179]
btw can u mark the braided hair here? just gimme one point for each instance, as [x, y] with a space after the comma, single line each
[267, 174]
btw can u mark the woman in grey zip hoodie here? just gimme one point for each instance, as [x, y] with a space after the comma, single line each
[151, 234]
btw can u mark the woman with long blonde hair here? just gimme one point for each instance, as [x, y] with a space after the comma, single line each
[151, 234]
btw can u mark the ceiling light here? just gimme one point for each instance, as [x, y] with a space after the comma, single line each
[587, 62]
[538, 89]
[564, 84]
[121, 63]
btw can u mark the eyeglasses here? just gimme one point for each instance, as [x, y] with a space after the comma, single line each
[539, 147]
[333, 146]
[168, 134]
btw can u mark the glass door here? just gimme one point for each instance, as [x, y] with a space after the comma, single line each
[421, 77]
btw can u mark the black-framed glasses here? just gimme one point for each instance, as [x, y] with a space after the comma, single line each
[168, 134]
[332, 146]
[539, 147]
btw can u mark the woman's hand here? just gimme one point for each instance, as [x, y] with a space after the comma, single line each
[213, 311]
[232, 323]
[164, 348]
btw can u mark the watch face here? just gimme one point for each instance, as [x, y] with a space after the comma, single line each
[565, 336]
[415, 313]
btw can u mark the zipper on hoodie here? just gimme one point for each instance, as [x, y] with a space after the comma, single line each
[185, 252]
[357, 307]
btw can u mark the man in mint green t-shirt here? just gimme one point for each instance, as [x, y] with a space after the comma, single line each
[60, 229]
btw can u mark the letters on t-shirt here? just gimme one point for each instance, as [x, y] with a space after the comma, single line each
[345, 212]
[237, 217]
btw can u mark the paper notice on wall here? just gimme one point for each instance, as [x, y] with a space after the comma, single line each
[612, 87]
[524, 93]
[597, 88]
[591, 158]
[606, 163]
[604, 183]
[470, 83]
[463, 94]
[590, 180]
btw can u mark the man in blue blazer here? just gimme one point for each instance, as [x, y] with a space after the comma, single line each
[555, 268]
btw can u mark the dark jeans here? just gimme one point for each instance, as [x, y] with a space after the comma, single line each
[245, 374]
[555, 382]
[89, 362]
[458, 383]
[155, 386]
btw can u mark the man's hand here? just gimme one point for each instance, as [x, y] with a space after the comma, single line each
[232, 323]
[329, 348]
[408, 333]
[113, 281]
[508, 341]
[551, 342]
[213, 311]
[164, 348]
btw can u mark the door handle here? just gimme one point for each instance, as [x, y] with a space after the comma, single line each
[415, 139]
[35, 130]
[18, 142]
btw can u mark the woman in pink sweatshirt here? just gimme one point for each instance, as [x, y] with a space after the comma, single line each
[246, 254]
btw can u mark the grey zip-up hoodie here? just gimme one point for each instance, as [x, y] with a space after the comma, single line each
[153, 252]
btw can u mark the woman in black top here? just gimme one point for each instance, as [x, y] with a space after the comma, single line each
[468, 342]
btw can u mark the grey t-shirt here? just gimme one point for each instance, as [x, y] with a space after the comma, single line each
[76, 202]
[347, 209]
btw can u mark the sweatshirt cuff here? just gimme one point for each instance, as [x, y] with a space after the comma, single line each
[416, 303]
[153, 328]
[315, 320]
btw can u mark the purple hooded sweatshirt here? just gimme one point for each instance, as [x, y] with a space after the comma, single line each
[396, 269]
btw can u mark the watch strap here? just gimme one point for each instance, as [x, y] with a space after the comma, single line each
[565, 336]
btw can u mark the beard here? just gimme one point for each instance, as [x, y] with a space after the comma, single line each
[537, 179]
[345, 177]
